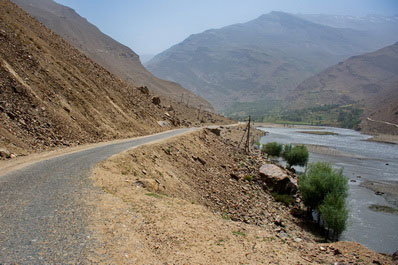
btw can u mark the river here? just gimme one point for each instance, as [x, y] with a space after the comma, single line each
[372, 161]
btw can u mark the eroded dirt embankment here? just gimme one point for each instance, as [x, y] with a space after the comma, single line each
[197, 199]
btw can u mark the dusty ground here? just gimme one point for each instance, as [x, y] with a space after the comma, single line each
[196, 199]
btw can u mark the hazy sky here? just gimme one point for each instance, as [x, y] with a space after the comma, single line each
[151, 26]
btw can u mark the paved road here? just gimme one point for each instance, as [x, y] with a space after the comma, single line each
[42, 215]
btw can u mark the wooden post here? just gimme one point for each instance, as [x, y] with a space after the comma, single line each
[200, 108]
[182, 97]
[248, 136]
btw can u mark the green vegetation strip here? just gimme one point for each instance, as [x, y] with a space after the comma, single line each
[155, 195]
[319, 132]
[238, 233]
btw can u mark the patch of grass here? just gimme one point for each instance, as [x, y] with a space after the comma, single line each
[383, 209]
[154, 195]
[283, 198]
[220, 242]
[268, 239]
[248, 177]
[319, 132]
[225, 216]
[238, 233]
[167, 150]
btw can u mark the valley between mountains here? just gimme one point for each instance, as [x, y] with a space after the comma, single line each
[104, 162]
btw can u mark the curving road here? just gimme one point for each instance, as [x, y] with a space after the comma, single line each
[42, 214]
[384, 122]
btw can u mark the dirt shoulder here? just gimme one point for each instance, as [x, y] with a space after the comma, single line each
[197, 199]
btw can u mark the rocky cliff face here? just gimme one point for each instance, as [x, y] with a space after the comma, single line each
[115, 57]
[263, 59]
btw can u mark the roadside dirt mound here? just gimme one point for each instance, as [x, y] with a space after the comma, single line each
[53, 95]
[197, 199]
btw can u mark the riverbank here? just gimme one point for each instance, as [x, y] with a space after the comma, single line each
[387, 189]
[384, 138]
[197, 199]
[381, 138]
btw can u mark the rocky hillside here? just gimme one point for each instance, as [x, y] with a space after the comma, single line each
[51, 94]
[261, 60]
[175, 203]
[369, 81]
[115, 57]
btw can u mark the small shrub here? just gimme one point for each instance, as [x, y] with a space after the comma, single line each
[283, 198]
[297, 155]
[226, 216]
[249, 178]
[272, 149]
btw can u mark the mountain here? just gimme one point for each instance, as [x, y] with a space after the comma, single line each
[146, 58]
[369, 81]
[51, 94]
[382, 27]
[261, 60]
[114, 56]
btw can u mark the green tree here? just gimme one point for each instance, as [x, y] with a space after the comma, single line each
[297, 155]
[335, 214]
[324, 190]
[319, 180]
[272, 149]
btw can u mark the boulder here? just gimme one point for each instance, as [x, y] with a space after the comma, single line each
[156, 100]
[163, 123]
[277, 179]
[144, 90]
[395, 256]
[4, 153]
[216, 131]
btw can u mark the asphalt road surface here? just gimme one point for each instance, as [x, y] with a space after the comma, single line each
[42, 211]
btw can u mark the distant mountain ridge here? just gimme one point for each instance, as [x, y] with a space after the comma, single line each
[369, 81]
[114, 56]
[263, 59]
[371, 23]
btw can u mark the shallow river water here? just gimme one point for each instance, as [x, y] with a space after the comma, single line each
[357, 157]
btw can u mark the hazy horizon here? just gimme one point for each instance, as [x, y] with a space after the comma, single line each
[150, 27]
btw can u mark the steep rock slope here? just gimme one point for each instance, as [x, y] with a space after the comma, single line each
[53, 95]
[117, 58]
[369, 81]
[259, 60]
